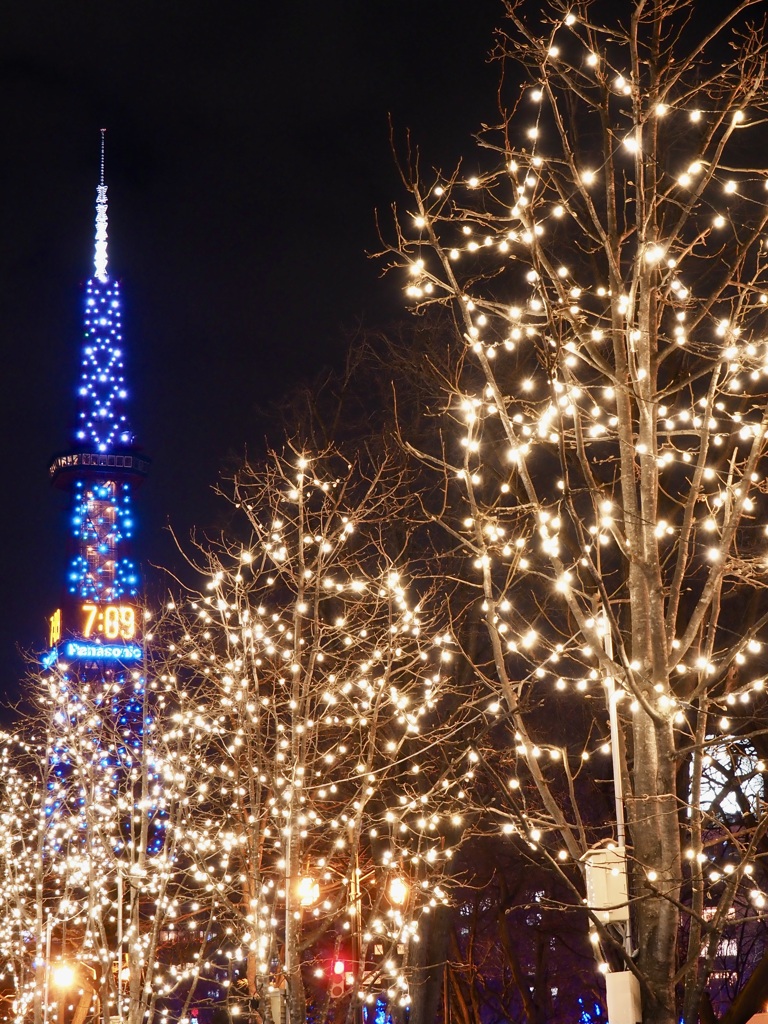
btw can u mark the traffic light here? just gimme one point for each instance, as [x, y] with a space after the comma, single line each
[338, 979]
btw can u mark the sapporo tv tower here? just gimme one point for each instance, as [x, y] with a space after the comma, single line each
[98, 627]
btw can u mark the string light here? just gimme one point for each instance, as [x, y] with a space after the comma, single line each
[607, 441]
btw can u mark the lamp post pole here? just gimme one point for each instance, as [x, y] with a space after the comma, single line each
[618, 780]
[119, 945]
[47, 976]
[356, 902]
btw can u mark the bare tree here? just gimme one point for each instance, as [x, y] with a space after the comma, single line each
[515, 955]
[604, 432]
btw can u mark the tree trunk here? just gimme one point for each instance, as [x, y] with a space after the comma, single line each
[656, 848]
[428, 959]
[295, 995]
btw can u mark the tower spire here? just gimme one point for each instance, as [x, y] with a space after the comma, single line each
[100, 255]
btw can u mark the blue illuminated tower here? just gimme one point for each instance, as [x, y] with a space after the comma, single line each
[104, 806]
[101, 752]
[99, 620]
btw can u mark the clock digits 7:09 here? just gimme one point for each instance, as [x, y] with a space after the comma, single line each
[111, 621]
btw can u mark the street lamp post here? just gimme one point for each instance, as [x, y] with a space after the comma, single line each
[621, 987]
[133, 874]
[618, 780]
[62, 978]
[356, 902]
[47, 967]
[119, 943]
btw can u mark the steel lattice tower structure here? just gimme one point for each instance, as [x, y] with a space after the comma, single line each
[96, 657]
[100, 621]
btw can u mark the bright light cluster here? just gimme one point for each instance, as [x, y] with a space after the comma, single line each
[100, 257]
[304, 740]
[101, 728]
[288, 770]
[102, 421]
[88, 867]
[322, 720]
[102, 523]
[608, 409]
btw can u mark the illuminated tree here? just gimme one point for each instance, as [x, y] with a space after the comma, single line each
[605, 422]
[314, 661]
[104, 847]
[23, 872]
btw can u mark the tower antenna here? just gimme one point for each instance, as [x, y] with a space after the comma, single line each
[100, 254]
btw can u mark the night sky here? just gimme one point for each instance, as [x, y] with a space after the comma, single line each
[247, 154]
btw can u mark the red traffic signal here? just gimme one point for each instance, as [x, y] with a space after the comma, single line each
[338, 979]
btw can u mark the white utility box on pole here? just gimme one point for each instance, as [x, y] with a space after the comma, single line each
[277, 1006]
[605, 868]
[622, 995]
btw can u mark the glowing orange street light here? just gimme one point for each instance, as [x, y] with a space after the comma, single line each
[398, 890]
[309, 892]
[63, 975]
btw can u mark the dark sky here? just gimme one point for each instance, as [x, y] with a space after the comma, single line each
[247, 153]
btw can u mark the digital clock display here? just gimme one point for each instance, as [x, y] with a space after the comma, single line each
[97, 632]
[108, 621]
